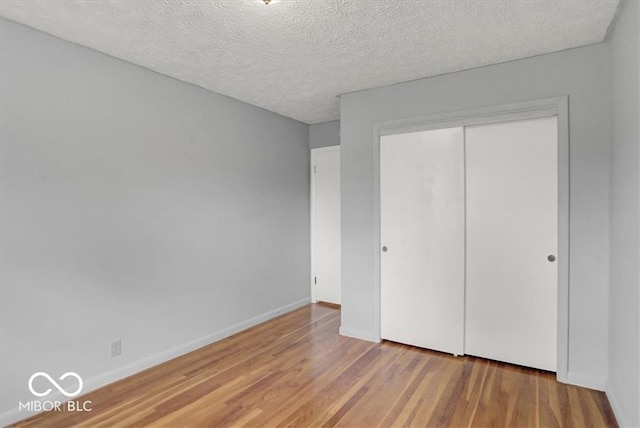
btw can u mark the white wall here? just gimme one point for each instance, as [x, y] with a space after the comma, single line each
[136, 207]
[623, 385]
[324, 134]
[582, 74]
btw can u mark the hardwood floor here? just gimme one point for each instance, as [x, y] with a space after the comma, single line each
[297, 371]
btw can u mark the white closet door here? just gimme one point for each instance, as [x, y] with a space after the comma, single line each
[512, 217]
[422, 230]
[326, 224]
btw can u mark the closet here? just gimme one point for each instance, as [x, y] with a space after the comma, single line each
[469, 237]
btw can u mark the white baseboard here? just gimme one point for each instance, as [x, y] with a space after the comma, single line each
[617, 410]
[358, 335]
[91, 384]
[586, 381]
[615, 406]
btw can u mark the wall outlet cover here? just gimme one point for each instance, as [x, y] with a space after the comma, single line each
[116, 348]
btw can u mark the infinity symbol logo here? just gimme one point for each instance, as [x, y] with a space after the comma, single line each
[54, 383]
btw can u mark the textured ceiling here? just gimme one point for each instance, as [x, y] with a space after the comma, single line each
[295, 57]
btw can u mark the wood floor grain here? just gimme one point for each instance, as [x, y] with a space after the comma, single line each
[296, 371]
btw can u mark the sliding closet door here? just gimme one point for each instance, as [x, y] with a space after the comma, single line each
[512, 217]
[422, 232]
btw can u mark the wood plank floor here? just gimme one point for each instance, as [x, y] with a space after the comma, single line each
[297, 371]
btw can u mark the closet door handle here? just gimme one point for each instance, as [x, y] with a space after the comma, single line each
[384, 249]
[551, 258]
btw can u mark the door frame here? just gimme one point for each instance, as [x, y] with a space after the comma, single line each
[555, 106]
[312, 198]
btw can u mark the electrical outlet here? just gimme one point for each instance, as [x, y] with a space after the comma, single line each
[116, 348]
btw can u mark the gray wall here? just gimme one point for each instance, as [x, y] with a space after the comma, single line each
[583, 75]
[324, 134]
[623, 386]
[136, 207]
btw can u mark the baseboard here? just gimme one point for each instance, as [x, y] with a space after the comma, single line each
[615, 406]
[586, 381]
[91, 384]
[358, 335]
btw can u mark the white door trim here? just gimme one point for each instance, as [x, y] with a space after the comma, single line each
[556, 106]
[312, 192]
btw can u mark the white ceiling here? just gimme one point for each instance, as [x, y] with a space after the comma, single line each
[295, 57]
